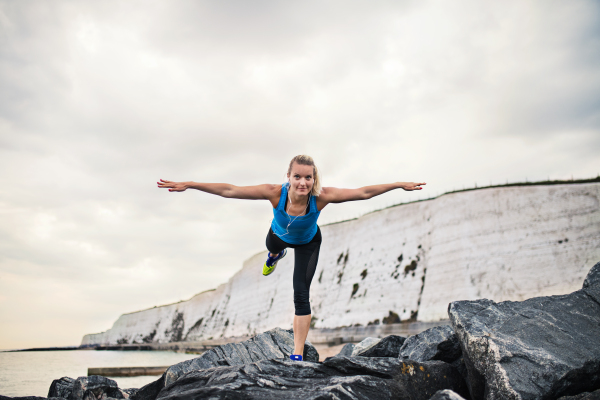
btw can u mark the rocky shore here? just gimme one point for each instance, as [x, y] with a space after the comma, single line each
[545, 348]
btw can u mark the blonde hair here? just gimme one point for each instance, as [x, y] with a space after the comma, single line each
[307, 160]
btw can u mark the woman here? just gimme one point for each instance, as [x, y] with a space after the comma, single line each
[296, 208]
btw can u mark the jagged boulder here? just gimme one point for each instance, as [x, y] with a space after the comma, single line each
[83, 388]
[364, 345]
[593, 277]
[389, 346]
[149, 391]
[61, 387]
[583, 396]
[541, 348]
[446, 394]
[346, 350]
[274, 344]
[337, 377]
[96, 387]
[437, 343]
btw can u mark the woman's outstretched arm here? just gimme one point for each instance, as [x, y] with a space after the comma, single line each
[336, 195]
[258, 192]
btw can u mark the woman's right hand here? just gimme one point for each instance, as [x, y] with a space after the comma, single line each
[172, 186]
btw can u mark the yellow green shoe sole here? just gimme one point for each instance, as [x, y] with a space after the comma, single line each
[268, 270]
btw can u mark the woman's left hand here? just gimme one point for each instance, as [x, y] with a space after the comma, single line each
[408, 186]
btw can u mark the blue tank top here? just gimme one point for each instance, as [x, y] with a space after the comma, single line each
[292, 229]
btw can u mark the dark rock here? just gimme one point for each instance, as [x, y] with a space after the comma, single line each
[336, 378]
[274, 344]
[389, 346]
[460, 365]
[364, 345]
[96, 387]
[61, 387]
[438, 343]
[541, 348]
[29, 398]
[446, 394]
[593, 277]
[87, 388]
[150, 391]
[346, 350]
[130, 392]
[584, 396]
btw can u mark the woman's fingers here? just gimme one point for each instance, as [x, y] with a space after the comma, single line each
[415, 186]
[165, 184]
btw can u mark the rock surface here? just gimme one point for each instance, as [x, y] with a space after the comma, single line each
[540, 348]
[346, 350]
[584, 396]
[29, 398]
[61, 387]
[446, 394]
[88, 388]
[438, 343]
[336, 378]
[274, 344]
[365, 345]
[593, 277]
[389, 346]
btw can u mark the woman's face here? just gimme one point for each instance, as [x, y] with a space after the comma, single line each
[301, 179]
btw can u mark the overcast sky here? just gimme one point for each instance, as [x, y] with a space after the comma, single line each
[98, 100]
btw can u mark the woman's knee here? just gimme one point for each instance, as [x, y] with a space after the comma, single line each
[302, 302]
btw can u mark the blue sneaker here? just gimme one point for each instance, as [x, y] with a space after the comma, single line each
[295, 357]
[271, 262]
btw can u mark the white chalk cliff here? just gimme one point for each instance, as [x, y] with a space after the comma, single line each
[407, 261]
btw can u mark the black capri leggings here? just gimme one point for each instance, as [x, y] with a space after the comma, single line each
[305, 265]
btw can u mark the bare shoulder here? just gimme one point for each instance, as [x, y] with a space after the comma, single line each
[326, 193]
[273, 192]
[326, 196]
[272, 189]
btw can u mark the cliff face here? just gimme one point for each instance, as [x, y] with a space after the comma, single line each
[401, 263]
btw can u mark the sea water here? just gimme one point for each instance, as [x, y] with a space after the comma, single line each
[30, 373]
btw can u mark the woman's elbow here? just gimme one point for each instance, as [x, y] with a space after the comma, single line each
[228, 193]
[365, 196]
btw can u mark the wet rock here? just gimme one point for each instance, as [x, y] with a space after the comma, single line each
[584, 396]
[446, 394]
[389, 346]
[61, 387]
[438, 343]
[365, 345]
[274, 344]
[337, 377]
[346, 350]
[541, 348]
